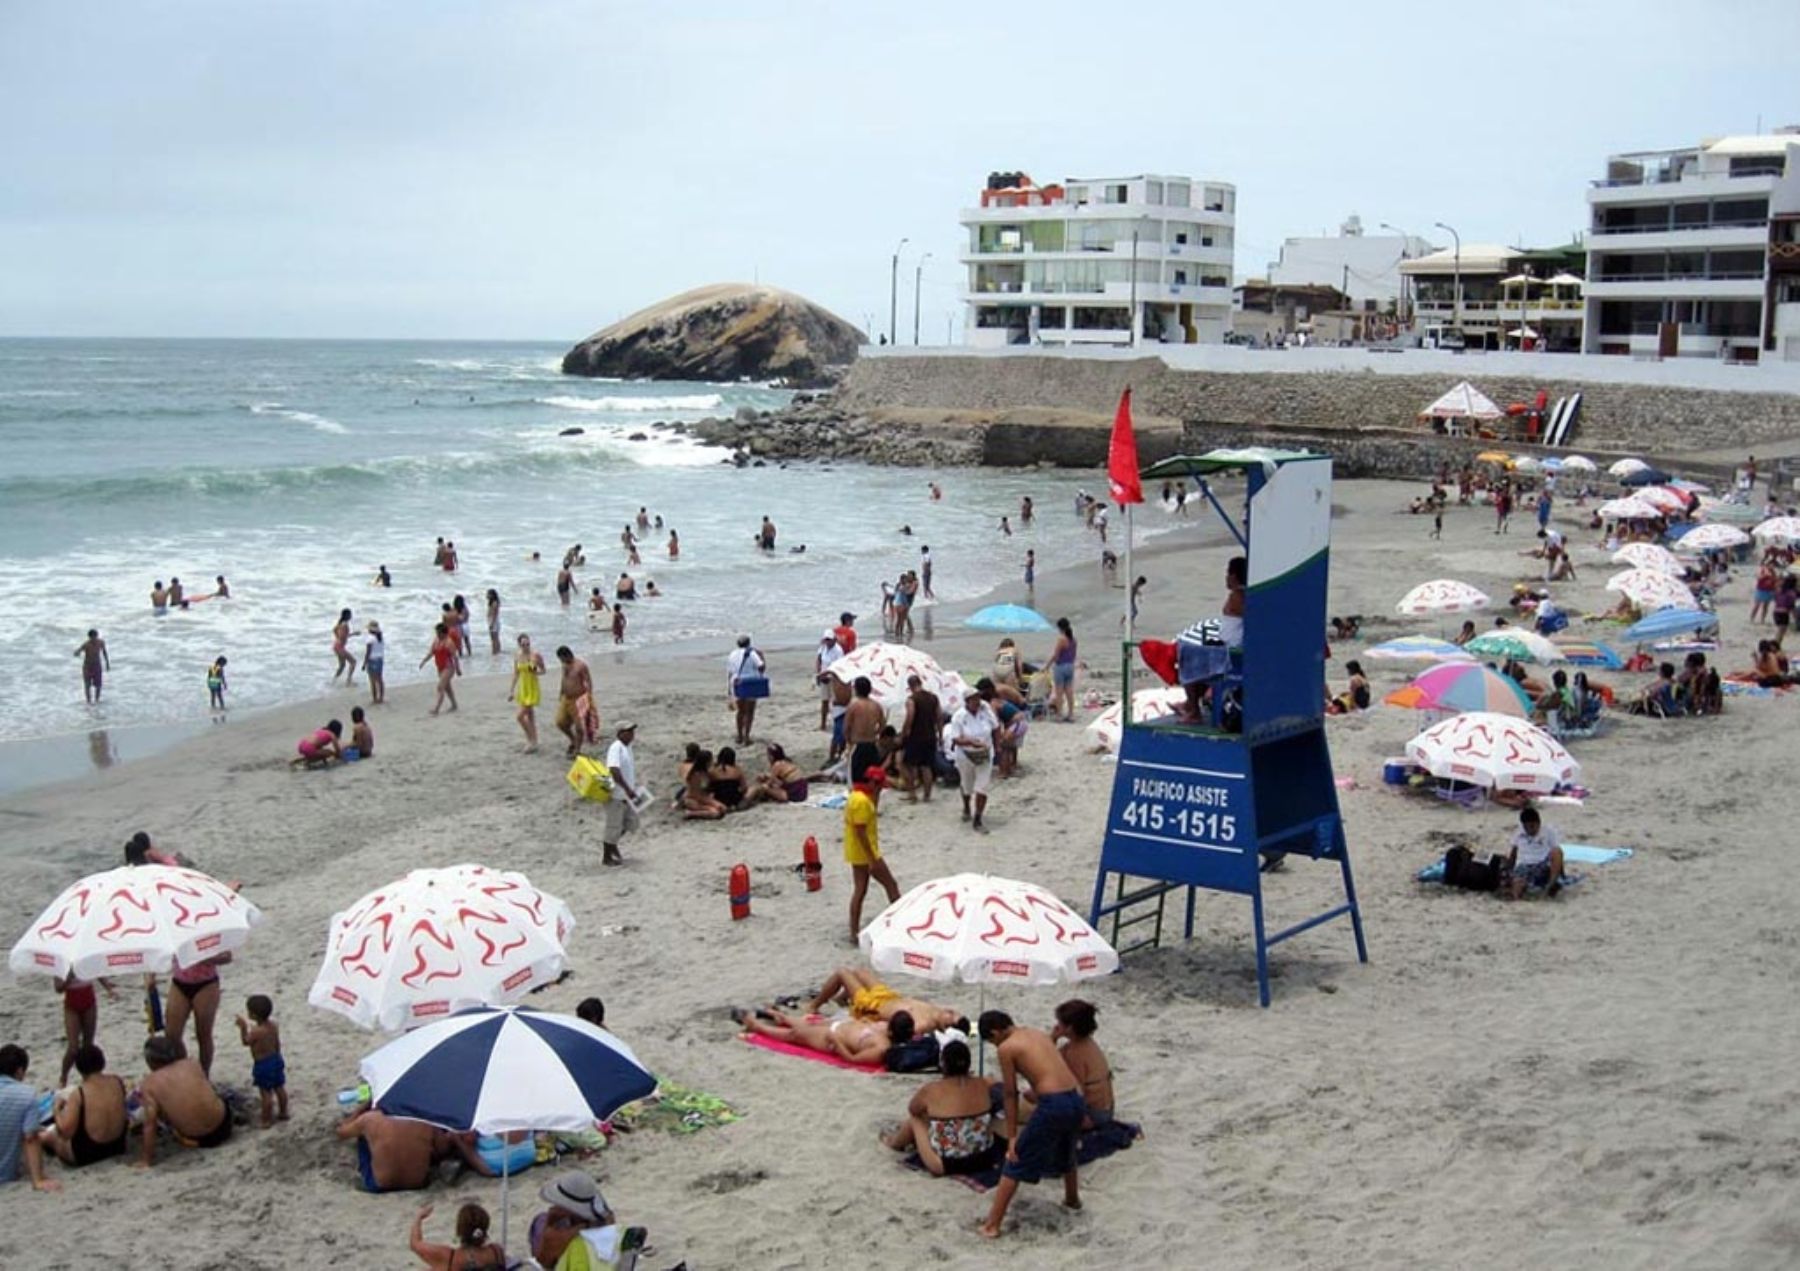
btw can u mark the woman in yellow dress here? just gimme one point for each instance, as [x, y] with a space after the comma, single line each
[527, 666]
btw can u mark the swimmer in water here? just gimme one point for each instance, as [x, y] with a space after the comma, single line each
[765, 537]
[383, 578]
[936, 493]
[221, 592]
[797, 551]
[906, 531]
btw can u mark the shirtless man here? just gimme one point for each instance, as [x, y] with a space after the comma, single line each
[765, 537]
[159, 599]
[177, 1093]
[1047, 1145]
[858, 1041]
[868, 998]
[862, 726]
[577, 682]
[93, 655]
[394, 1154]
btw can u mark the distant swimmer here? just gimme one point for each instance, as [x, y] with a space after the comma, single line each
[674, 544]
[177, 593]
[597, 602]
[449, 558]
[565, 583]
[906, 531]
[650, 588]
[643, 519]
[624, 589]
[765, 537]
[936, 493]
[797, 551]
[159, 599]
[94, 659]
[659, 520]
[215, 684]
[340, 640]
[627, 539]
[1005, 528]
[437, 557]
[382, 577]
[573, 557]
[1025, 510]
[220, 590]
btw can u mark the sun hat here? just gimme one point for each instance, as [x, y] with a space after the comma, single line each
[575, 1192]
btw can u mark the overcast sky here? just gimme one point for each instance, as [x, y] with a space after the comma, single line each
[535, 170]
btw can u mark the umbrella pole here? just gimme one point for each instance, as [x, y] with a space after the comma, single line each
[505, 1191]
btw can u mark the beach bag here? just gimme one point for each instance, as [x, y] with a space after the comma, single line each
[590, 779]
[918, 1055]
[750, 685]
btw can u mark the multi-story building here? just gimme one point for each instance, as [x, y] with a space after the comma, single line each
[1485, 296]
[1696, 252]
[1114, 260]
[1364, 267]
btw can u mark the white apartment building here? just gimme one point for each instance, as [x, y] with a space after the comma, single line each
[1490, 296]
[1696, 252]
[1115, 260]
[1364, 267]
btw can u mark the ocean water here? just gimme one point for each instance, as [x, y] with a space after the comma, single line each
[295, 468]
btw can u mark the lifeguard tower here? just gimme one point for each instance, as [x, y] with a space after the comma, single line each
[1212, 804]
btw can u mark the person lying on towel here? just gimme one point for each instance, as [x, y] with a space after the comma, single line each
[854, 1040]
[869, 999]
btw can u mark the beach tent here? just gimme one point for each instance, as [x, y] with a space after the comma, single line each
[1726, 511]
[1465, 401]
[1009, 618]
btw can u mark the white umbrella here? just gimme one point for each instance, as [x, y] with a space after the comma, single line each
[1663, 499]
[1465, 401]
[135, 918]
[1778, 529]
[888, 665]
[1629, 508]
[1649, 556]
[1146, 704]
[1495, 751]
[437, 941]
[985, 930]
[1651, 589]
[1578, 463]
[1443, 595]
[1712, 536]
[1526, 463]
[1625, 467]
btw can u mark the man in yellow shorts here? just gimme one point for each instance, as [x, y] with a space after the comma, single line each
[869, 998]
[862, 844]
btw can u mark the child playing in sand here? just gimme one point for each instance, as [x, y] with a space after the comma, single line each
[362, 737]
[215, 683]
[268, 1071]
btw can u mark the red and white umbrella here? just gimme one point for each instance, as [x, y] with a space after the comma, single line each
[1443, 595]
[1651, 589]
[1649, 556]
[1146, 704]
[888, 665]
[985, 930]
[1625, 467]
[1663, 498]
[437, 941]
[1629, 508]
[1779, 529]
[1712, 536]
[1495, 751]
[135, 918]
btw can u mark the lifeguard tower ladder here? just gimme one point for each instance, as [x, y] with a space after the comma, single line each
[1196, 805]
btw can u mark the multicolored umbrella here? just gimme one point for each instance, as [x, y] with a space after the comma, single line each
[1462, 686]
[132, 919]
[1590, 653]
[1516, 643]
[1416, 648]
[1649, 556]
[1650, 590]
[1712, 537]
[1443, 595]
[1495, 751]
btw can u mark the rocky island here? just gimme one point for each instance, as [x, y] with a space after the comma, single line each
[728, 331]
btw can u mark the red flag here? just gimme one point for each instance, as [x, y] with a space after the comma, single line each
[1121, 457]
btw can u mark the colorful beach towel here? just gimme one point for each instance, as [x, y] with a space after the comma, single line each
[676, 1109]
[803, 1052]
[1096, 1144]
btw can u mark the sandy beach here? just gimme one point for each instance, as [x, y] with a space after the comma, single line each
[1598, 1080]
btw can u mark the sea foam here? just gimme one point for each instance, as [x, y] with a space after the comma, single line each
[694, 401]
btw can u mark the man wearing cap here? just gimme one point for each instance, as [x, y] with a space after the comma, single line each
[579, 1233]
[972, 745]
[829, 652]
[845, 631]
[862, 843]
[621, 809]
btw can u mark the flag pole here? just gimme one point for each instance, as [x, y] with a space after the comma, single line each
[1130, 582]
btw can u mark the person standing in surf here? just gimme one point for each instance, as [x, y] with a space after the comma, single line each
[94, 657]
[340, 642]
[443, 653]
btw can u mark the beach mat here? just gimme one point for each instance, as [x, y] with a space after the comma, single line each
[803, 1052]
[1573, 854]
[1096, 1145]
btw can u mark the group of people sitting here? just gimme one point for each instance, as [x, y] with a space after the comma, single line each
[1695, 690]
[712, 786]
[577, 1232]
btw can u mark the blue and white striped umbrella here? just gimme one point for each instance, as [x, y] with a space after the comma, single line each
[498, 1069]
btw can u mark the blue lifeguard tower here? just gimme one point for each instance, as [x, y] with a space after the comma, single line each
[1213, 804]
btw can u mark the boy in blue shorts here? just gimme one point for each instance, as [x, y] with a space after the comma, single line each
[268, 1071]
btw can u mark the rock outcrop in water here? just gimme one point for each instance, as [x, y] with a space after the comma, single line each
[724, 332]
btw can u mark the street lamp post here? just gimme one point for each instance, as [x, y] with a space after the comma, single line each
[1405, 249]
[918, 277]
[1456, 263]
[894, 291]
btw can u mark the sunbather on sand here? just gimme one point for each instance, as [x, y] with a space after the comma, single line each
[869, 999]
[855, 1040]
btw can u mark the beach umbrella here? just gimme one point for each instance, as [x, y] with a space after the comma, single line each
[1465, 401]
[1526, 463]
[1591, 653]
[1630, 508]
[1443, 595]
[1663, 498]
[1712, 537]
[1689, 487]
[136, 918]
[1551, 464]
[1416, 648]
[1651, 589]
[1645, 476]
[1671, 622]
[1146, 704]
[985, 930]
[1462, 686]
[494, 1070]
[1495, 751]
[1625, 467]
[1779, 529]
[438, 941]
[888, 665]
[1516, 643]
[1649, 556]
[1008, 618]
[1495, 456]
[1579, 463]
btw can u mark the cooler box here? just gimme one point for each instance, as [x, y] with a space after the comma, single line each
[591, 779]
[1393, 771]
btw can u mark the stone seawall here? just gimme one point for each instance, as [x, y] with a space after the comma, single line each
[1614, 417]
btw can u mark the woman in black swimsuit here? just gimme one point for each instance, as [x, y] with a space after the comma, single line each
[91, 1124]
[728, 779]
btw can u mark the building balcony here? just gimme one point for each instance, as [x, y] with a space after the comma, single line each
[1656, 287]
[1120, 249]
[1691, 185]
[1065, 293]
[1569, 308]
[1663, 238]
[1096, 211]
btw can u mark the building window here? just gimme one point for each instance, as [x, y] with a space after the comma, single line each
[1153, 192]
[1117, 193]
[1180, 194]
[1094, 318]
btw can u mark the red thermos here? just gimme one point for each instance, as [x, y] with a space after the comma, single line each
[740, 891]
[814, 871]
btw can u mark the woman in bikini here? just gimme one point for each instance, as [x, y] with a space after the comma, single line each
[697, 802]
[91, 1123]
[195, 991]
[81, 1017]
[728, 782]
[950, 1121]
[340, 645]
[472, 1252]
[783, 782]
[855, 1040]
